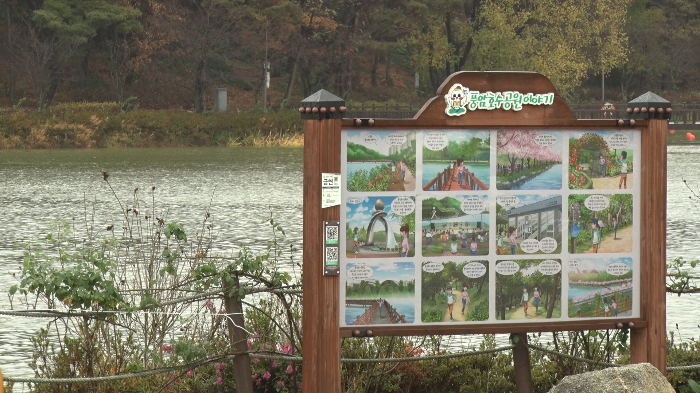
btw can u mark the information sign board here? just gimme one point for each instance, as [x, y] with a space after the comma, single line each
[489, 225]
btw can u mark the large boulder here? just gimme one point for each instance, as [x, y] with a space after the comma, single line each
[635, 378]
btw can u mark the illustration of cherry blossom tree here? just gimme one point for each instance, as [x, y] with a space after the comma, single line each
[521, 144]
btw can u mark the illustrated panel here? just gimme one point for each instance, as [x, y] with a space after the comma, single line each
[381, 160]
[455, 225]
[455, 291]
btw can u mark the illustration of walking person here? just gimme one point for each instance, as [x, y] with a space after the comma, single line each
[393, 166]
[536, 298]
[381, 303]
[606, 307]
[403, 170]
[623, 169]
[463, 235]
[460, 171]
[513, 243]
[500, 243]
[614, 306]
[616, 219]
[451, 299]
[465, 299]
[595, 234]
[404, 244]
[525, 299]
[601, 160]
[356, 241]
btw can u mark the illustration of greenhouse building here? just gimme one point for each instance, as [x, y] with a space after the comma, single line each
[538, 220]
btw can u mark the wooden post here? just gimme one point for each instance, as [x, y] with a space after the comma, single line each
[649, 344]
[321, 324]
[521, 364]
[237, 336]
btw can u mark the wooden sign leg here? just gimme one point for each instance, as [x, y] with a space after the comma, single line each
[649, 345]
[521, 363]
[321, 329]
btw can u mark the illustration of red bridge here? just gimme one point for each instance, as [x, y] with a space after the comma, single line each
[622, 306]
[448, 180]
[372, 316]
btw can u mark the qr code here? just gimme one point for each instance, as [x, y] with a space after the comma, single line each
[331, 233]
[331, 254]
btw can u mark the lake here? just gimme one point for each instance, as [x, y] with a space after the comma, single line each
[241, 187]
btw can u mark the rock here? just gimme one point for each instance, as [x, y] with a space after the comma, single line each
[635, 378]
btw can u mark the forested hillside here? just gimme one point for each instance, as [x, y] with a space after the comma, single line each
[170, 54]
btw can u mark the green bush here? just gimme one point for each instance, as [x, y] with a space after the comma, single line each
[431, 314]
[681, 354]
[481, 312]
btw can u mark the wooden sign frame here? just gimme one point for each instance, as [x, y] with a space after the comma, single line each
[323, 129]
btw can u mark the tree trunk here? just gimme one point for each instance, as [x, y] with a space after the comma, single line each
[199, 87]
[145, 7]
[373, 74]
[348, 84]
[306, 83]
[88, 347]
[237, 337]
[13, 78]
[448, 29]
[434, 80]
[11, 89]
[389, 81]
[290, 85]
[550, 309]
[53, 86]
[85, 68]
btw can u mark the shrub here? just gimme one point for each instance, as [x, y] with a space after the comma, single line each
[105, 125]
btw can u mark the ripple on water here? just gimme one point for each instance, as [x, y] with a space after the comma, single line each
[240, 187]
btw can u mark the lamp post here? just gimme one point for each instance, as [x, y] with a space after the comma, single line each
[266, 74]
[266, 85]
[416, 85]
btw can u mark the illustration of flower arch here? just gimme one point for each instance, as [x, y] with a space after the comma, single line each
[576, 176]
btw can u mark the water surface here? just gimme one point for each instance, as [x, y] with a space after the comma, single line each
[240, 187]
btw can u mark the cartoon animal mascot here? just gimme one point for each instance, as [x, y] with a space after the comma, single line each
[456, 100]
[608, 110]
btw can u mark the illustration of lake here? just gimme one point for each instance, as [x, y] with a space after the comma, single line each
[403, 305]
[482, 172]
[585, 292]
[547, 180]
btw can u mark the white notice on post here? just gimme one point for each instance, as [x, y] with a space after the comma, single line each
[330, 190]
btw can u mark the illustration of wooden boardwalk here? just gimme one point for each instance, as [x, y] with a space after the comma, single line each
[372, 316]
[448, 180]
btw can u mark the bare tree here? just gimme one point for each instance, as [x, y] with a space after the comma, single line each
[201, 42]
